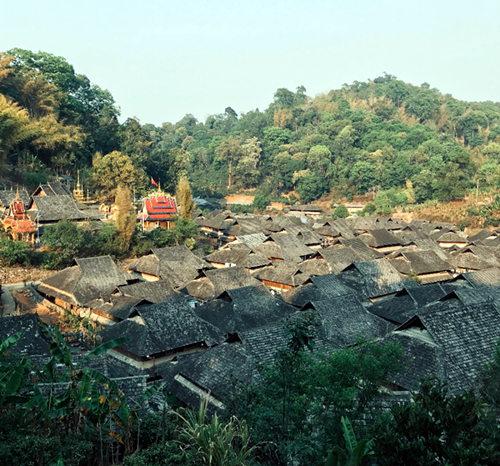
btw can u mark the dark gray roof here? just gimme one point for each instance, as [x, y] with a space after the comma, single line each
[380, 238]
[57, 208]
[32, 341]
[339, 258]
[262, 343]
[240, 256]
[301, 295]
[252, 240]
[344, 318]
[397, 308]
[331, 286]
[7, 196]
[58, 188]
[215, 370]
[216, 281]
[361, 249]
[467, 336]
[244, 309]
[177, 265]
[400, 307]
[373, 278]
[474, 257]
[420, 262]
[315, 266]
[291, 247]
[120, 307]
[482, 235]
[450, 237]
[306, 208]
[155, 292]
[90, 279]
[163, 327]
[423, 357]
[285, 273]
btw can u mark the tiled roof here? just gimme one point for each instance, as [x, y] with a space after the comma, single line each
[158, 207]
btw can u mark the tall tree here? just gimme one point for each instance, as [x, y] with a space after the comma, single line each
[125, 218]
[229, 150]
[184, 199]
[113, 170]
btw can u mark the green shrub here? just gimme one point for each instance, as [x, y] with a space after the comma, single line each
[260, 202]
[167, 454]
[14, 252]
[340, 212]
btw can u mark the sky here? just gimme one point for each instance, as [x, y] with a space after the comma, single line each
[162, 59]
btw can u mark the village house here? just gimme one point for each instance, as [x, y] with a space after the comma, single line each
[212, 283]
[234, 255]
[373, 279]
[381, 240]
[424, 265]
[90, 282]
[284, 246]
[52, 189]
[177, 265]
[51, 208]
[160, 332]
[451, 342]
[306, 211]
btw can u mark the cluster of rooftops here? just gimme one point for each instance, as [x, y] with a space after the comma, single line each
[197, 320]
[23, 214]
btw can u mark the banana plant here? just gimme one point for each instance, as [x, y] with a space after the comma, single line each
[73, 404]
[358, 451]
[12, 376]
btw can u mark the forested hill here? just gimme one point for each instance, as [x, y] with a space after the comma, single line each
[383, 134]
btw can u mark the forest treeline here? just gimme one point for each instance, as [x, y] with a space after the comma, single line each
[378, 135]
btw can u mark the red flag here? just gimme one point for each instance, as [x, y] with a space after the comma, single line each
[154, 182]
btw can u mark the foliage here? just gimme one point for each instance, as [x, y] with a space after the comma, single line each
[216, 443]
[163, 454]
[358, 451]
[89, 401]
[14, 252]
[365, 137]
[340, 212]
[310, 188]
[436, 429]
[260, 202]
[296, 406]
[65, 240]
[490, 380]
[125, 217]
[113, 170]
[184, 199]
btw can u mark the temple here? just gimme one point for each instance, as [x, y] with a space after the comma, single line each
[158, 210]
[17, 223]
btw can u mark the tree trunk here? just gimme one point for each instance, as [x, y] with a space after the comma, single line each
[230, 184]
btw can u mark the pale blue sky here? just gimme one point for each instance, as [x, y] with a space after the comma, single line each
[163, 59]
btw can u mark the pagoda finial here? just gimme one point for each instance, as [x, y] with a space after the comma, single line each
[17, 195]
[78, 182]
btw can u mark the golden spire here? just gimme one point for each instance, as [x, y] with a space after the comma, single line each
[17, 195]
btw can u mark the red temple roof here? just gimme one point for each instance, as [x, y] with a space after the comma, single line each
[158, 207]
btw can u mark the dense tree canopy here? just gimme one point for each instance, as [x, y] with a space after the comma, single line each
[365, 137]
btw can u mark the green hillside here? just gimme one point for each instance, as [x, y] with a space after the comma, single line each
[383, 134]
